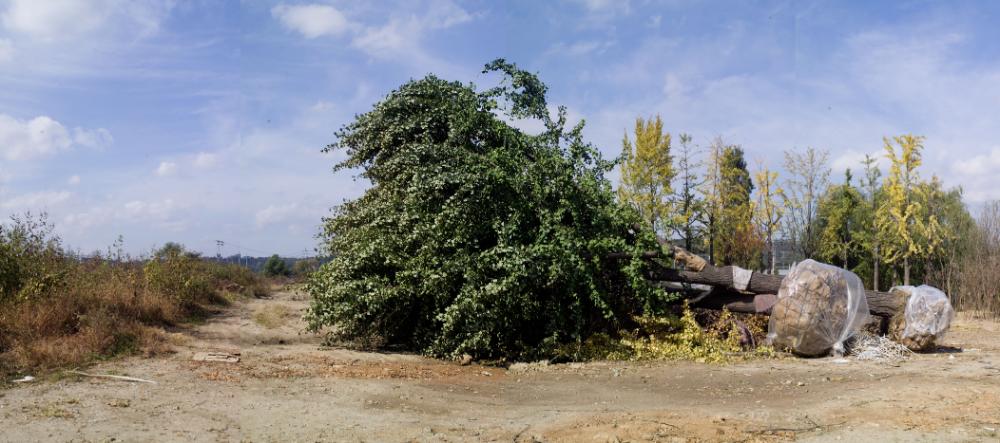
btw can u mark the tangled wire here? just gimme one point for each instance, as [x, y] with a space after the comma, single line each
[868, 347]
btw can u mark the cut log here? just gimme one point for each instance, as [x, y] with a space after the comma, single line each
[883, 304]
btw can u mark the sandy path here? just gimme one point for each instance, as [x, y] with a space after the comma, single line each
[287, 388]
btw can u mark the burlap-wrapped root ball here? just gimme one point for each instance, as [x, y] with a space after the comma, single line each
[819, 306]
[927, 317]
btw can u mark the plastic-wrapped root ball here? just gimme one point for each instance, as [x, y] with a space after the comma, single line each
[927, 317]
[819, 307]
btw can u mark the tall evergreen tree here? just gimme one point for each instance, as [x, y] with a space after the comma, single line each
[736, 241]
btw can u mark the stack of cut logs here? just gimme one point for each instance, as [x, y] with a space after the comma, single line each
[740, 290]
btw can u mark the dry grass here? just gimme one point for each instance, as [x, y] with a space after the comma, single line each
[77, 311]
[272, 316]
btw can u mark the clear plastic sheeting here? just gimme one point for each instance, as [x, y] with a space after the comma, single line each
[819, 307]
[927, 317]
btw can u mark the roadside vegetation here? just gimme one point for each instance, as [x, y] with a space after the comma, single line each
[59, 310]
[479, 238]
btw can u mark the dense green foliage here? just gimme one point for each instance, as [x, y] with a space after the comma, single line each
[474, 236]
[276, 267]
[841, 215]
[30, 258]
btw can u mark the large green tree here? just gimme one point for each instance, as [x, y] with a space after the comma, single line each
[840, 217]
[475, 237]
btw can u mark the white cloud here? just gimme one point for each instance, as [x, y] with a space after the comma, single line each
[73, 180]
[99, 138]
[390, 39]
[35, 201]
[445, 14]
[275, 214]
[312, 20]
[40, 136]
[852, 159]
[138, 209]
[6, 50]
[980, 164]
[399, 38]
[205, 160]
[135, 211]
[52, 20]
[166, 168]
[604, 5]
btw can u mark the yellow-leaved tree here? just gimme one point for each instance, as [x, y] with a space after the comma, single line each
[906, 229]
[768, 210]
[647, 171]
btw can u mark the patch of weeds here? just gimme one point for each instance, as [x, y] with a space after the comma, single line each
[51, 410]
[670, 338]
[120, 403]
[125, 343]
[271, 317]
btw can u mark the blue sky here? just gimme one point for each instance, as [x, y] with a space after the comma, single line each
[194, 121]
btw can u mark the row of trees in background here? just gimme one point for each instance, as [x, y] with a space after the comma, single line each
[896, 228]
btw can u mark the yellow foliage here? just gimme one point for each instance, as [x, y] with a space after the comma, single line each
[903, 223]
[647, 170]
[670, 338]
[768, 211]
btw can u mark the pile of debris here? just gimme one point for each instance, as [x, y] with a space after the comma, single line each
[814, 309]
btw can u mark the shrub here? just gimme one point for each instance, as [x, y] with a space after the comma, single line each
[276, 267]
[30, 258]
[474, 236]
[304, 267]
[173, 272]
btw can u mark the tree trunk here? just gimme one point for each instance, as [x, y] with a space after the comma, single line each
[773, 259]
[875, 261]
[711, 239]
[906, 271]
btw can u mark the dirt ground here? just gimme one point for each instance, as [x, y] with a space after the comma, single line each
[287, 388]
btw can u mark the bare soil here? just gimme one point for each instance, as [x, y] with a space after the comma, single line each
[288, 388]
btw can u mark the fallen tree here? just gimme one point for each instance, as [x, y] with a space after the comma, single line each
[739, 289]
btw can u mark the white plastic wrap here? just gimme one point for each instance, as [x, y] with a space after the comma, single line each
[927, 317]
[819, 307]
